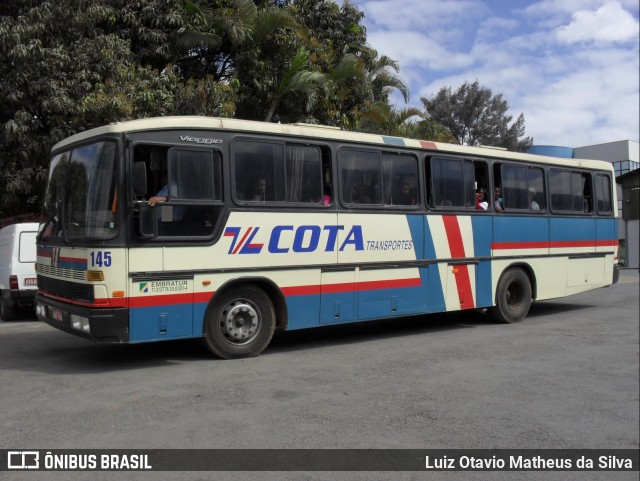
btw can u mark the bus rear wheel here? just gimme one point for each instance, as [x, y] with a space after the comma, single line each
[513, 297]
[240, 324]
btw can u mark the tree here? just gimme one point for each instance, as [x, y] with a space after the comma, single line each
[299, 79]
[70, 65]
[52, 56]
[475, 116]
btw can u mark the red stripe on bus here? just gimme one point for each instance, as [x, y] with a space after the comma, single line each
[244, 237]
[454, 236]
[425, 144]
[161, 300]
[100, 303]
[463, 282]
[350, 287]
[461, 272]
[395, 283]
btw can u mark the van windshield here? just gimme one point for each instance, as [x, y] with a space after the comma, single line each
[81, 193]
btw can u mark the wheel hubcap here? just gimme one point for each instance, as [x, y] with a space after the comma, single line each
[514, 295]
[239, 322]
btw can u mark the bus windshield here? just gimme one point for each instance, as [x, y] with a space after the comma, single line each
[81, 193]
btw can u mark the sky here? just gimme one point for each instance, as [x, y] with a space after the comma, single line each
[570, 66]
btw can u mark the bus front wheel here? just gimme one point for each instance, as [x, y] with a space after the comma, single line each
[240, 324]
[513, 296]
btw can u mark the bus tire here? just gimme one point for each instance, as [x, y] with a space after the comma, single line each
[240, 324]
[513, 297]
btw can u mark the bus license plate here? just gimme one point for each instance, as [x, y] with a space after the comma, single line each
[31, 281]
[56, 314]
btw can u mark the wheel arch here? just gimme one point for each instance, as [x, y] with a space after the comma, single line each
[268, 286]
[528, 270]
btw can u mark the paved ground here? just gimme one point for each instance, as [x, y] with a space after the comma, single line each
[566, 377]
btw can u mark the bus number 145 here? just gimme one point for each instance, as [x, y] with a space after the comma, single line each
[100, 259]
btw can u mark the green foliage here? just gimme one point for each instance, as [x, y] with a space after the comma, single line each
[53, 55]
[475, 116]
[70, 65]
[135, 92]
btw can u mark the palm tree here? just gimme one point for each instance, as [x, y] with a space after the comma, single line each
[217, 35]
[299, 79]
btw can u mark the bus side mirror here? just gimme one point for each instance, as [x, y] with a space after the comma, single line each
[139, 179]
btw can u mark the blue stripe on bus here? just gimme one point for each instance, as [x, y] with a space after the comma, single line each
[304, 311]
[393, 140]
[482, 236]
[572, 229]
[159, 323]
[435, 290]
[520, 229]
[607, 229]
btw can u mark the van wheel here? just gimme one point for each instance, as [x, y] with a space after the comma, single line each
[241, 323]
[7, 310]
[513, 297]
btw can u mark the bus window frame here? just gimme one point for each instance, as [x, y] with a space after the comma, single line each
[581, 172]
[428, 172]
[545, 183]
[138, 205]
[596, 210]
[284, 142]
[418, 206]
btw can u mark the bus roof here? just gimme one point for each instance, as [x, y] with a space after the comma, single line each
[319, 132]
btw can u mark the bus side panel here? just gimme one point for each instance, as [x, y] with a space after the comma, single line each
[388, 292]
[436, 272]
[575, 238]
[482, 236]
[607, 242]
[606, 235]
[401, 298]
[525, 240]
[520, 236]
[161, 310]
[572, 235]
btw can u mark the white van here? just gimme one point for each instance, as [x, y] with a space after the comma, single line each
[18, 280]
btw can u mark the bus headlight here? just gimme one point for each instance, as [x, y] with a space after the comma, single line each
[80, 323]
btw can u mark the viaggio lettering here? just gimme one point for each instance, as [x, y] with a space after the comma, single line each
[200, 140]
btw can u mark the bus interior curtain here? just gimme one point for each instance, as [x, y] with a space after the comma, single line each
[295, 172]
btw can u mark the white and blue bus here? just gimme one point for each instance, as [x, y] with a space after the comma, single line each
[223, 229]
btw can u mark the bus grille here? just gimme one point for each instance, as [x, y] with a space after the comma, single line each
[66, 289]
[77, 274]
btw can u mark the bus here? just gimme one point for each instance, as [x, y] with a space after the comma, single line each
[223, 229]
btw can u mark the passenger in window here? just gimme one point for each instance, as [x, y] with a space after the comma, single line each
[163, 196]
[405, 195]
[163, 193]
[481, 199]
[533, 205]
[259, 190]
[326, 195]
[497, 200]
[358, 195]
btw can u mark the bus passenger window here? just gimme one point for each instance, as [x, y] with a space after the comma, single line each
[603, 194]
[453, 182]
[523, 188]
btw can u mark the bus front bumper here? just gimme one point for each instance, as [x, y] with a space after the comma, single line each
[103, 325]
